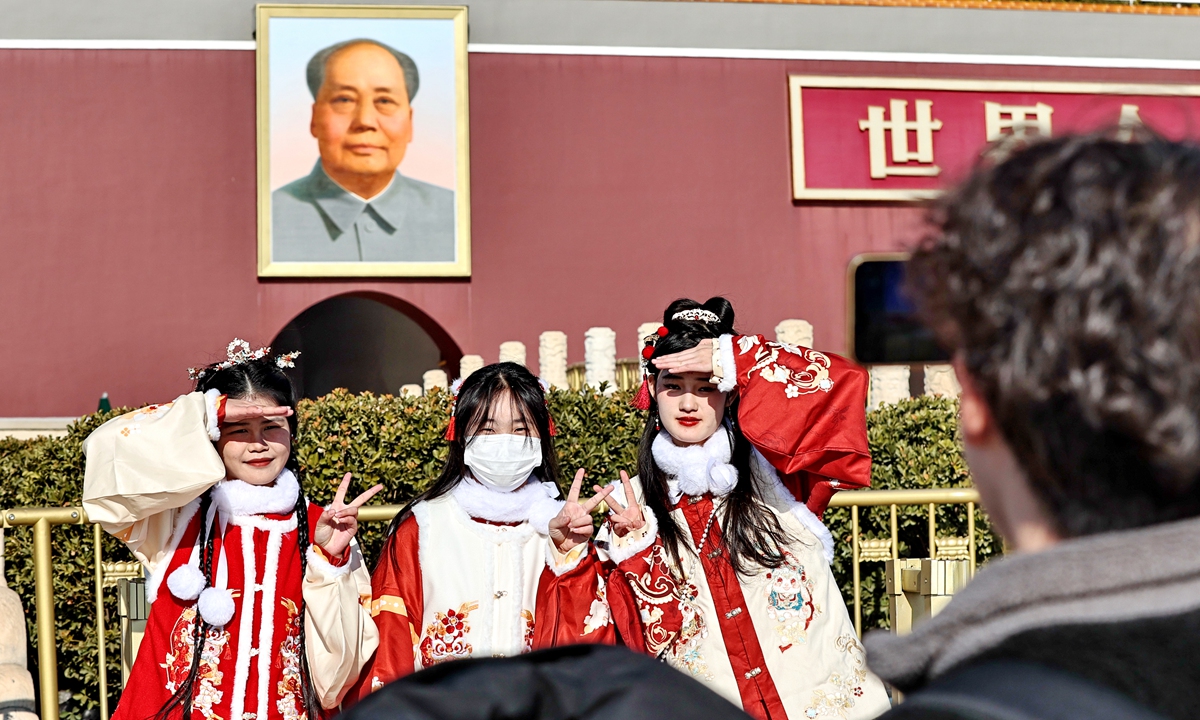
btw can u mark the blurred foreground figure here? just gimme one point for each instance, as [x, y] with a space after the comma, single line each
[1066, 279]
[587, 682]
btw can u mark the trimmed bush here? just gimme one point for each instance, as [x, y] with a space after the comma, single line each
[398, 441]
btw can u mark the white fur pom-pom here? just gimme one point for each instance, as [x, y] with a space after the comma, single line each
[216, 606]
[186, 582]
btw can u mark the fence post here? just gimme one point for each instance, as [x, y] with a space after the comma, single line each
[795, 332]
[102, 645]
[512, 351]
[44, 603]
[600, 357]
[552, 358]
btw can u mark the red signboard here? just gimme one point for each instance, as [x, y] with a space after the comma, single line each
[907, 138]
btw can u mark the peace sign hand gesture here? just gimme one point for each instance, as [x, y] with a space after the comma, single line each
[573, 524]
[629, 518]
[337, 525]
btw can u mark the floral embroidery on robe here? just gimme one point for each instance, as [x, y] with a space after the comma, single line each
[289, 702]
[444, 637]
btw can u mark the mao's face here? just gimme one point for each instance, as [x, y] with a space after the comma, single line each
[361, 118]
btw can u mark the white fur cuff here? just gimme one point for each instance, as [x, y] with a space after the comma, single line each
[216, 606]
[212, 414]
[317, 563]
[728, 364]
[814, 525]
[568, 563]
[621, 549]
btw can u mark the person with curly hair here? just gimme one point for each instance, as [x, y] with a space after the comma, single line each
[1065, 279]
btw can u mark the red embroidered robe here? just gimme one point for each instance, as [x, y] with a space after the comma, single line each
[250, 668]
[440, 554]
[779, 644]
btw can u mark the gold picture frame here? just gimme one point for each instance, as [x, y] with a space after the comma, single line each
[300, 210]
[797, 83]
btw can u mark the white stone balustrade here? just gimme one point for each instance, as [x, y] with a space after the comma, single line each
[512, 351]
[795, 332]
[889, 384]
[411, 390]
[468, 365]
[600, 357]
[552, 358]
[941, 380]
[434, 378]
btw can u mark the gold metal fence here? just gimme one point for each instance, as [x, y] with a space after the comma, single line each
[42, 520]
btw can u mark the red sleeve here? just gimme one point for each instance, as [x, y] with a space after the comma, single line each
[644, 598]
[573, 607]
[397, 606]
[805, 411]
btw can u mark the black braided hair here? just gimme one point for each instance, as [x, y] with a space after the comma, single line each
[308, 694]
[182, 698]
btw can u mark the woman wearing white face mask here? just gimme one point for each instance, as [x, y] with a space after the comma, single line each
[489, 561]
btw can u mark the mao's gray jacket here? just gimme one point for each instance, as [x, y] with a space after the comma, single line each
[315, 220]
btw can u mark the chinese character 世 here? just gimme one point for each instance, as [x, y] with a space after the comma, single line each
[1018, 119]
[900, 126]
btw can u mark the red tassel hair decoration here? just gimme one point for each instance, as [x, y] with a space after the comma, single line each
[641, 401]
[450, 434]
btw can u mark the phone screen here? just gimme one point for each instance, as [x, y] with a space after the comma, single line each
[885, 326]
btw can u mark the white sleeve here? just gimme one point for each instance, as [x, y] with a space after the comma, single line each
[143, 468]
[340, 636]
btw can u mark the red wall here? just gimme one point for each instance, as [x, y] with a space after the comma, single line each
[603, 187]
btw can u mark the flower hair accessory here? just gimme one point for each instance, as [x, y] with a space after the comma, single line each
[697, 315]
[238, 351]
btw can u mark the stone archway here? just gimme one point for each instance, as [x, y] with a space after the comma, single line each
[364, 342]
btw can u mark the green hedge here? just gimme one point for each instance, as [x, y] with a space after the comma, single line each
[398, 442]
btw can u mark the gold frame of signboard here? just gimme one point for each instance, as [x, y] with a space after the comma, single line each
[797, 83]
[460, 265]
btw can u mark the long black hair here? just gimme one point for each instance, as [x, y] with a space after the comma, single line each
[260, 378]
[751, 534]
[500, 382]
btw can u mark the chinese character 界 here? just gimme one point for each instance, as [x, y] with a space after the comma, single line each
[1018, 119]
[899, 126]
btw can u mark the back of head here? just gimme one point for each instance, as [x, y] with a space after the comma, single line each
[1067, 277]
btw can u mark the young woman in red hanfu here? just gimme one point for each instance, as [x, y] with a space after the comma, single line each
[722, 560]
[488, 562]
[257, 594]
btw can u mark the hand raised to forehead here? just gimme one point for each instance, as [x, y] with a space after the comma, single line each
[237, 410]
[697, 359]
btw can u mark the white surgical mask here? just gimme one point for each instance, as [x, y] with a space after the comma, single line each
[503, 462]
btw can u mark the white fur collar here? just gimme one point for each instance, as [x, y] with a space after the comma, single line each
[237, 498]
[534, 502]
[696, 469]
